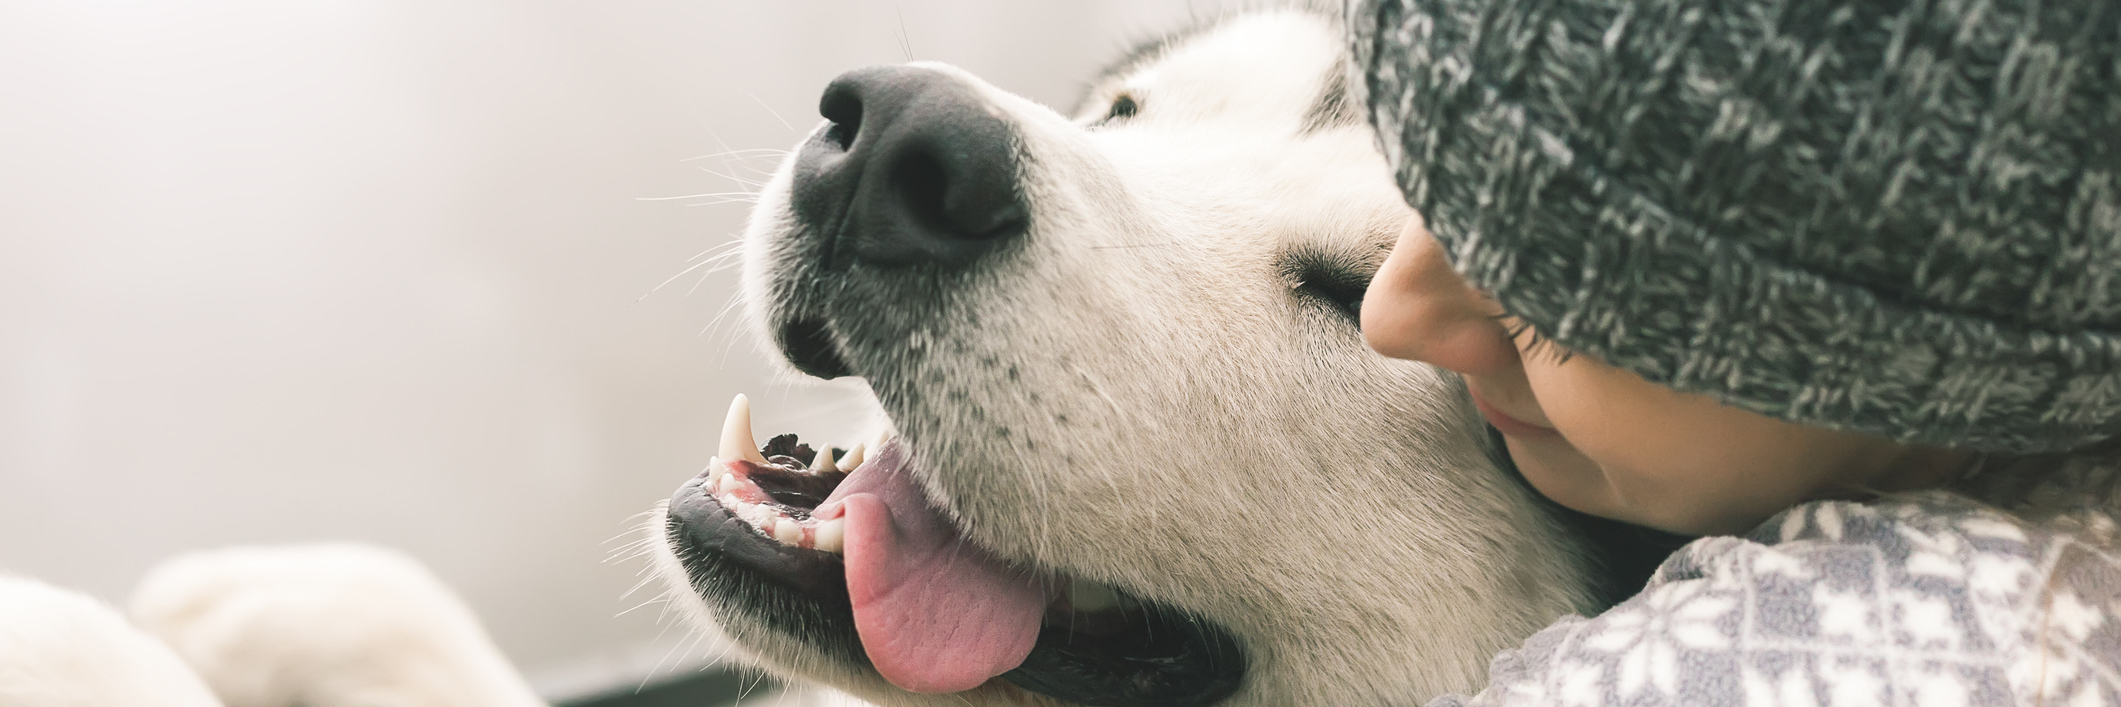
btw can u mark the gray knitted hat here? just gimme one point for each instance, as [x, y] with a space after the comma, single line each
[1894, 216]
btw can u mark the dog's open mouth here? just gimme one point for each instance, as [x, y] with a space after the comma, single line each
[839, 547]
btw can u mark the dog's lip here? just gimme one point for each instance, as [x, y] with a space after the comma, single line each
[700, 521]
[806, 343]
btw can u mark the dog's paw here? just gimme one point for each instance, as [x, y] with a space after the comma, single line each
[61, 649]
[325, 626]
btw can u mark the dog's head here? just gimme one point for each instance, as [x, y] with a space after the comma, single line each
[1141, 454]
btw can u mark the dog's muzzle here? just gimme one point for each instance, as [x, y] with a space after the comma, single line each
[916, 168]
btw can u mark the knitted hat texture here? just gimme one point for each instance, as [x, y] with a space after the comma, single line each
[1893, 216]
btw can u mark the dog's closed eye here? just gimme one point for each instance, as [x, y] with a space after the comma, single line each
[1335, 284]
[1345, 295]
[1123, 106]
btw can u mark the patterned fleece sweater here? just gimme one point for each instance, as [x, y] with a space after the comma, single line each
[1930, 598]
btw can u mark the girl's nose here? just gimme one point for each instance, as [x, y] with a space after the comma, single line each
[1418, 308]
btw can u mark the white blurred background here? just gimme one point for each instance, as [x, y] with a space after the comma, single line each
[389, 271]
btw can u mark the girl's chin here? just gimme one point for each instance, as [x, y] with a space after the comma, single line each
[1575, 483]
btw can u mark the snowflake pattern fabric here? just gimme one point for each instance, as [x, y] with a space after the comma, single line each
[1926, 599]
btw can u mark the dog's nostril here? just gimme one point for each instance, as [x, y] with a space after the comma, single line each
[923, 186]
[844, 108]
[972, 206]
[841, 135]
[954, 190]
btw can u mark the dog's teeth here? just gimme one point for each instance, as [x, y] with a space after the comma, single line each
[787, 532]
[832, 535]
[727, 484]
[852, 459]
[737, 442]
[1091, 596]
[823, 462]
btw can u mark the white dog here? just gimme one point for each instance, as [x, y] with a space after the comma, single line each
[1140, 454]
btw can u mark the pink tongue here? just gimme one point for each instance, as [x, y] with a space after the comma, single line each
[935, 613]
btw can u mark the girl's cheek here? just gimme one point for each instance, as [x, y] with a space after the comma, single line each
[1648, 454]
[1679, 462]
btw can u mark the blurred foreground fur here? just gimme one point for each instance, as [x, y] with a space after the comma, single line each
[315, 626]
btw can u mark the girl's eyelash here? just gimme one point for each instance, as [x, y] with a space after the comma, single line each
[1540, 345]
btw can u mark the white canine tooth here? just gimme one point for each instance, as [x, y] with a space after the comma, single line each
[852, 459]
[832, 535]
[787, 531]
[737, 442]
[727, 484]
[1091, 596]
[823, 462]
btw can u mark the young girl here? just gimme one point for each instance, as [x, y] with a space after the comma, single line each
[1835, 283]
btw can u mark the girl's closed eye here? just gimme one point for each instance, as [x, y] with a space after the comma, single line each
[1531, 343]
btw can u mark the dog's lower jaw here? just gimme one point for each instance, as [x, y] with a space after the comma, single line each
[795, 652]
[1092, 647]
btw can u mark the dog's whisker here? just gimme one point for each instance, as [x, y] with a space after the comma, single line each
[726, 262]
[716, 323]
[745, 690]
[719, 655]
[633, 551]
[751, 153]
[713, 195]
[668, 656]
[642, 583]
[632, 535]
[726, 201]
[769, 109]
[745, 166]
[704, 278]
[681, 273]
[753, 183]
[905, 42]
[734, 245]
[718, 141]
[631, 609]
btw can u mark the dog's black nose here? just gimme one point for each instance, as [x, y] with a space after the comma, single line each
[915, 168]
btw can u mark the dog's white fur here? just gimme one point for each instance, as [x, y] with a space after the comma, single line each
[59, 648]
[312, 625]
[326, 626]
[1198, 430]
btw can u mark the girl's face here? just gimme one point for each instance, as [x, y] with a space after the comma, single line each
[1604, 441]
